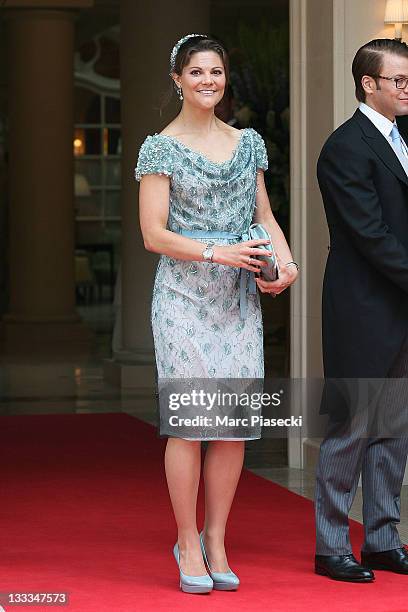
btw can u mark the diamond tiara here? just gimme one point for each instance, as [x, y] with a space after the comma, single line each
[177, 46]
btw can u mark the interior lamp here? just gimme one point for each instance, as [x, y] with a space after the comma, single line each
[81, 186]
[396, 12]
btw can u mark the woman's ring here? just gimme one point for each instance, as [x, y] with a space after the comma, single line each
[249, 261]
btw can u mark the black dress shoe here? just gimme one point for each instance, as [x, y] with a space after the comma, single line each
[342, 567]
[395, 560]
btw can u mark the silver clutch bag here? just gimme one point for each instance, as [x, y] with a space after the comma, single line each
[256, 232]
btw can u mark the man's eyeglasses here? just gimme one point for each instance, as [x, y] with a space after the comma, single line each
[400, 82]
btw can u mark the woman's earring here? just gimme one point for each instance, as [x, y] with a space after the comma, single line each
[180, 93]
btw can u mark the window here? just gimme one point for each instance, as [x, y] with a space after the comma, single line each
[97, 153]
[97, 158]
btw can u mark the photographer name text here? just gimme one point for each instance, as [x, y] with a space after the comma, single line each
[225, 421]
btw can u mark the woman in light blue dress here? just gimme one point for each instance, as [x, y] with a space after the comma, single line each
[201, 188]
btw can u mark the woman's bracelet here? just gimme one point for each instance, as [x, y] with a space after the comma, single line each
[293, 263]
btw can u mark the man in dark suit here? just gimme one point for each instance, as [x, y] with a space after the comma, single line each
[403, 126]
[363, 178]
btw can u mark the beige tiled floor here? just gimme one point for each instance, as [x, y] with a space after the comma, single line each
[72, 388]
[302, 483]
[77, 386]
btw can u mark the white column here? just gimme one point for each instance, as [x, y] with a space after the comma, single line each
[354, 24]
[325, 35]
[148, 32]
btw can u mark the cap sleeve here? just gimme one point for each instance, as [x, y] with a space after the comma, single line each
[260, 151]
[155, 157]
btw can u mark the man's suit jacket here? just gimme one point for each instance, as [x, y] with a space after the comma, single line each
[365, 292]
[403, 126]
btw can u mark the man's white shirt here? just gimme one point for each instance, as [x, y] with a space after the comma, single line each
[385, 126]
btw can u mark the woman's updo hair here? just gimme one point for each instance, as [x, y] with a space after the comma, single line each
[195, 45]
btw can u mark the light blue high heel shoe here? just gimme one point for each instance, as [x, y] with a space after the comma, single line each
[192, 584]
[223, 581]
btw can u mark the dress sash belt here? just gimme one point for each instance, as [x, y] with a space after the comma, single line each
[247, 284]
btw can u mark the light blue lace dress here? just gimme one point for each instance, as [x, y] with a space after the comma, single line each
[197, 323]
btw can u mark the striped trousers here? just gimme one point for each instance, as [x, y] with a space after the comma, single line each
[345, 453]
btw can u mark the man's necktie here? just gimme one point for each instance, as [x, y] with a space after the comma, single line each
[396, 139]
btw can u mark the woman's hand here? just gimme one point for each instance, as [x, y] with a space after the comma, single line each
[287, 276]
[241, 255]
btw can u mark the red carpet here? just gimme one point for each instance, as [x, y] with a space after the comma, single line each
[84, 509]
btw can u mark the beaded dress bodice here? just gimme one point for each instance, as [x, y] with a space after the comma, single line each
[205, 195]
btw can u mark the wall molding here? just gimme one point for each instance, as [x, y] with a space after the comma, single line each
[298, 203]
